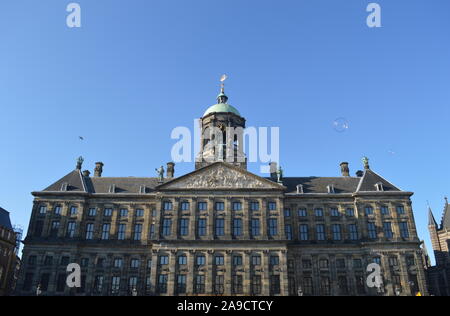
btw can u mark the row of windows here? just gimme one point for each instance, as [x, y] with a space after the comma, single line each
[219, 260]
[349, 212]
[237, 229]
[73, 210]
[219, 206]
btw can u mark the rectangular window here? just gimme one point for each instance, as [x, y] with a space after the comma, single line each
[167, 206]
[350, 212]
[199, 284]
[185, 206]
[306, 264]
[325, 285]
[181, 283]
[118, 263]
[324, 264]
[387, 228]
[32, 260]
[272, 206]
[343, 285]
[400, 209]
[54, 229]
[255, 227]
[92, 211]
[137, 232]
[202, 206]
[89, 231]
[123, 212]
[369, 210]
[58, 210]
[105, 231]
[273, 227]
[357, 263]
[404, 231]
[318, 212]
[220, 227]
[115, 285]
[308, 286]
[340, 263]
[134, 263]
[163, 260]
[274, 284]
[288, 231]
[121, 231]
[42, 209]
[182, 260]
[162, 283]
[274, 260]
[28, 282]
[237, 260]
[256, 260]
[132, 284]
[219, 206]
[237, 286]
[107, 212]
[302, 212]
[320, 232]
[184, 226]
[384, 210]
[139, 212]
[334, 212]
[45, 278]
[237, 206]
[200, 260]
[73, 210]
[287, 212]
[336, 232]
[167, 227]
[71, 229]
[201, 227]
[254, 206]
[219, 260]
[256, 284]
[237, 227]
[219, 284]
[303, 231]
[372, 230]
[353, 232]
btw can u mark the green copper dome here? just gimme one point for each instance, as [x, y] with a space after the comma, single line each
[222, 108]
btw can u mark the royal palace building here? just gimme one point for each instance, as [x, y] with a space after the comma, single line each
[222, 230]
[9, 261]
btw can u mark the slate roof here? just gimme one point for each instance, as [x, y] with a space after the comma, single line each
[370, 178]
[76, 182]
[431, 219]
[446, 216]
[320, 184]
[5, 221]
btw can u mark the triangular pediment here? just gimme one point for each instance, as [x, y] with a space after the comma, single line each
[219, 176]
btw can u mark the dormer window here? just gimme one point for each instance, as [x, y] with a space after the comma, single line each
[64, 186]
[112, 188]
[330, 188]
[300, 189]
[142, 189]
[379, 187]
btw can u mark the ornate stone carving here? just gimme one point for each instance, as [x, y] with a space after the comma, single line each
[221, 177]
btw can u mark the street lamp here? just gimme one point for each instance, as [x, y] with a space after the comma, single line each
[397, 291]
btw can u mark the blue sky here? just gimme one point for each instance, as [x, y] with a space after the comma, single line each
[137, 69]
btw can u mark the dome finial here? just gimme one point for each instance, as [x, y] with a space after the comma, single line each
[222, 98]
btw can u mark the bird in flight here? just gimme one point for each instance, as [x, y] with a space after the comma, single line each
[81, 137]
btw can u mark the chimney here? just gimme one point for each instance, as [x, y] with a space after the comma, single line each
[98, 169]
[359, 173]
[273, 170]
[86, 173]
[344, 169]
[170, 170]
